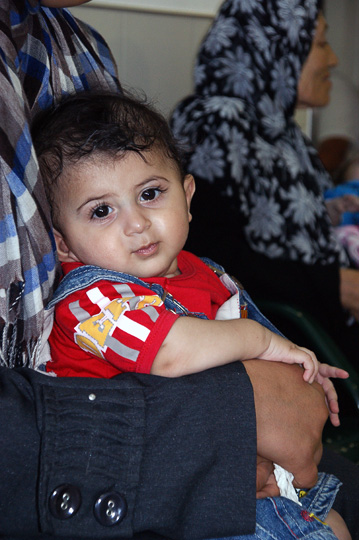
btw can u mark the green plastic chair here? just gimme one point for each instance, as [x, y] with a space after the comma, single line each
[302, 328]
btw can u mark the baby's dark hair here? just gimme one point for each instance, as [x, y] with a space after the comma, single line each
[98, 124]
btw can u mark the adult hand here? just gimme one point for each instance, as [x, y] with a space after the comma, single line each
[266, 481]
[349, 290]
[290, 418]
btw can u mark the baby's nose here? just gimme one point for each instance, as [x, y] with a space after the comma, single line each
[135, 222]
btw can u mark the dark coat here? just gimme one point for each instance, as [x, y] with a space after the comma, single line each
[176, 457]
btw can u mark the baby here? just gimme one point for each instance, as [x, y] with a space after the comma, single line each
[131, 299]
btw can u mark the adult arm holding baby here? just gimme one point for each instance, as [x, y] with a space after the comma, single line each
[284, 406]
[195, 345]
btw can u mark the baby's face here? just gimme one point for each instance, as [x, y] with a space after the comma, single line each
[126, 215]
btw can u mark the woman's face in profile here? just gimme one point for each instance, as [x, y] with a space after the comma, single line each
[314, 83]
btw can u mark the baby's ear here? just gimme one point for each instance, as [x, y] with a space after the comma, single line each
[63, 251]
[189, 188]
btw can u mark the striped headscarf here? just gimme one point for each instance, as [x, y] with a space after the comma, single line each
[44, 54]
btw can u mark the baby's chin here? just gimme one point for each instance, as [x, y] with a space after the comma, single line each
[144, 268]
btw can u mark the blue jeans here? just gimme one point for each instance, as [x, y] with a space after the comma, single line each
[282, 519]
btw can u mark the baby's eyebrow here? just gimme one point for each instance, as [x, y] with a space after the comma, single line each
[92, 199]
[151, 179]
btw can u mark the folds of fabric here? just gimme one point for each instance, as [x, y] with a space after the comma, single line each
[44, 54]
[244, 147]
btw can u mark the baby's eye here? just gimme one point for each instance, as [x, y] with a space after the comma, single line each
[101, 211]
[150, 194]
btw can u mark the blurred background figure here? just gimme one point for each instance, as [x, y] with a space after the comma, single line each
[260, 181]
[347, 215]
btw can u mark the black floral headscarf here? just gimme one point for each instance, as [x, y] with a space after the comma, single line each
[242, 136]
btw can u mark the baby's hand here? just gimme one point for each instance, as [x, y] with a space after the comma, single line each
[326, 371]
[283, 350]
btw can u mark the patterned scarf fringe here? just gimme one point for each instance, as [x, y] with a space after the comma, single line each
[13, 355]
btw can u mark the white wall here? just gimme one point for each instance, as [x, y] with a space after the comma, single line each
[343, 19]
[189, 7]
[154, 51]
[341, 117]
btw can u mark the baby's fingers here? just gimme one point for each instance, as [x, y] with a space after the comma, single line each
[334, 418]
[331, 398]
[330, 371]
[310, 365]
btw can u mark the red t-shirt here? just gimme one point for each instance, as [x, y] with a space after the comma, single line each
[110, 328]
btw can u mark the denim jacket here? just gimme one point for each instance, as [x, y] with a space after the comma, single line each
[84, 276]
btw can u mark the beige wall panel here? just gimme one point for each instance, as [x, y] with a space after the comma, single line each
[154, 52]
[343, 20]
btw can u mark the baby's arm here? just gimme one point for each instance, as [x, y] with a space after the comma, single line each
[194, 345]
[134, 331]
